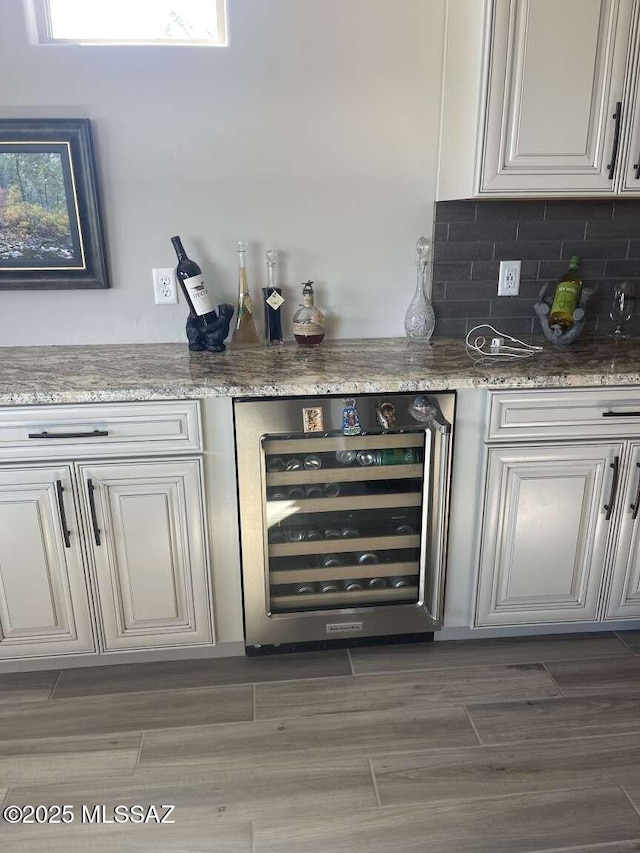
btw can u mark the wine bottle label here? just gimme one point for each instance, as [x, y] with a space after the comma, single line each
[566, 298]
[275, 300]
[307, 329]
[246, 303]
[199, 295]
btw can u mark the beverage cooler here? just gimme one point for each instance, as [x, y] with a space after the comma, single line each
[343, 513]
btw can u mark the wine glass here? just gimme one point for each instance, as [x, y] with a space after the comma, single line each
[622, 308]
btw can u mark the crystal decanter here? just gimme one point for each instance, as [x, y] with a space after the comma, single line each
[419, 321]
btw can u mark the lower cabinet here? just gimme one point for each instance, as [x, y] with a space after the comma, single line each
[141, 526]
[44, 601]
[559, 534]
[147, 546]
[624, 594]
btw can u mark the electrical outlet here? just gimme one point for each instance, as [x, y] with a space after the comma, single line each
[165, 286]
[509, 278]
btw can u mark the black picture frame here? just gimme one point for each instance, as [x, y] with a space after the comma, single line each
[74, 258]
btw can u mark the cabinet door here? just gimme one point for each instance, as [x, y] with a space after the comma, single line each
[44, 607]
[624, 595]
[556, 74]
[631, 165]
[147, 537]
[544, 533]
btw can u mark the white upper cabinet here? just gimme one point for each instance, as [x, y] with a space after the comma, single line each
[631, 149]
[538, 96]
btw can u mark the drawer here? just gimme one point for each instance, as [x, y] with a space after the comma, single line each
[103, 429]
[559, 413]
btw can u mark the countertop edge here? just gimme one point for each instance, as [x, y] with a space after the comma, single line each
[446, 382]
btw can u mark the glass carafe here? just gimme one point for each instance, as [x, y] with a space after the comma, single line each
[419, 321]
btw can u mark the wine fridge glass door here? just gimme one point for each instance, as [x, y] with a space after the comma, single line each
[344, 520]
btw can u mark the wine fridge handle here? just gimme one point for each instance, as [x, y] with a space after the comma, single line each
[636, 505]
[66, 533]
[436, 419]
[617, 116]
[608, 507]
[92, 507]
[434, 551]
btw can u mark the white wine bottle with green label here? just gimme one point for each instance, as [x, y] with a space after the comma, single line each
[566, 297]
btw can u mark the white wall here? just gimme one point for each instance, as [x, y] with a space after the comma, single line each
[314, 133]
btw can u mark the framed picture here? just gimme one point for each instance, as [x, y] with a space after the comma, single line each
[50, 226]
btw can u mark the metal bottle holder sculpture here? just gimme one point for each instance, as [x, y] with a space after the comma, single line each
[555, 333]
[212, 336]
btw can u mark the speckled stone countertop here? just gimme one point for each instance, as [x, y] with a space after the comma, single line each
[84, 374]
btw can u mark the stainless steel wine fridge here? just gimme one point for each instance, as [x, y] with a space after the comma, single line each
[343, 512]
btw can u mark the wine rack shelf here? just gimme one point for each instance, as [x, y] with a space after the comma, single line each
[278, 510]
[335, 599]
[337, 573]
[342, 442]
[346, 475]
[341, 546]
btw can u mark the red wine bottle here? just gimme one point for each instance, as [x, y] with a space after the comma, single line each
[189, 274]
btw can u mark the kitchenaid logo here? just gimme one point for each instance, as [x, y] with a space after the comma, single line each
[344, 627]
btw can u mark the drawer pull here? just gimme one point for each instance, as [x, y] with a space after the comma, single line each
[621, 414]
[97, 433]
[636, 506]
[63, 516]
[608, 507]
[92, 507]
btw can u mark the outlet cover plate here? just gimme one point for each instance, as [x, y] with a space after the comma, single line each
[165, 286]
[509, 278]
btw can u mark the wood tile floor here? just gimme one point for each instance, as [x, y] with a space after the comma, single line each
[491, 746]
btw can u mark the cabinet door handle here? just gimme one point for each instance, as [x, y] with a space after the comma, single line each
[92, 507]
[608, 507]
[636, 166]
[63, 516]
[635, 506]
[96, 433]
[621, 414]
[617, 116]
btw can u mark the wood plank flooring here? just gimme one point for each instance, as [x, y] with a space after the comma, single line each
[491, 746]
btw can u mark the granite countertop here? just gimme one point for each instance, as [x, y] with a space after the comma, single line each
[71, 374]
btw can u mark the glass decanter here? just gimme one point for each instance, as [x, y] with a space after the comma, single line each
[420, 321]
[308, 321]
[245, 333]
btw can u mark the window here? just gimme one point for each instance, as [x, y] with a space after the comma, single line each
[194, 22]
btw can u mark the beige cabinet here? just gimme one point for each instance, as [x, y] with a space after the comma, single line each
[624, 594]
[537, 98]
[44, 606]
[546, 520]
[559, 539]
[147, 546]
[104, 543]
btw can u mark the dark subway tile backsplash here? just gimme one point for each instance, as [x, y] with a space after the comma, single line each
[471, 238]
